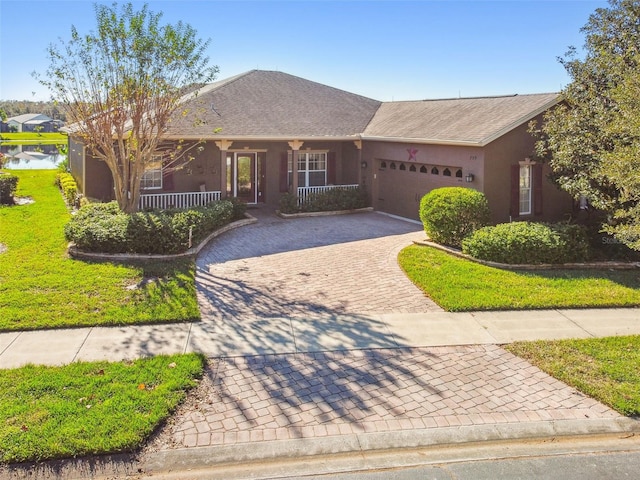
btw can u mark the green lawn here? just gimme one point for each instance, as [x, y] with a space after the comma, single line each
[462, 285]
[21, 137]
[89, 408]
[603, 368]
[41, 287]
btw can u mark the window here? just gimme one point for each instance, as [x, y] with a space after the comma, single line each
[402, 166]
[312, 168]
[446, 172]
[423, 169]
[435, 171]
[383, 165]
[393, 166]
[459, 173]
[525, 190]
[152, 176]
[412, 168]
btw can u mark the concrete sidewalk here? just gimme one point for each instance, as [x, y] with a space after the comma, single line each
[260, 335]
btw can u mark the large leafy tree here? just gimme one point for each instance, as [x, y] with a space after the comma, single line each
[121, 84]
[592, 139]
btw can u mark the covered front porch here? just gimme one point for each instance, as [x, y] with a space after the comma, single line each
[258, 172]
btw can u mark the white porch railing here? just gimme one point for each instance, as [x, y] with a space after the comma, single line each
[304, 192]
[177, 200]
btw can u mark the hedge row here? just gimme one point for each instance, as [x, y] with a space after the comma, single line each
[529, 243]
[69, 188]
[335, 199]
[8, 185]
[103, 227]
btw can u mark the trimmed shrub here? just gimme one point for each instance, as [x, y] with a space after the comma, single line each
[69, 188]
[99, 227]
[103, 227]
[289, 203]
[529, 243]
[239, 208]
[8, 185]
[335, 199]
[450, 214]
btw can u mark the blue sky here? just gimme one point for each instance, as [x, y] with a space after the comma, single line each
[387, 50]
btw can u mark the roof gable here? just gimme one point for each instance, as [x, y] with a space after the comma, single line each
[29, 118]
[272, 104]
[473, 121]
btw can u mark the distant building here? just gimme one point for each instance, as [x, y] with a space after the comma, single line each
[32, 122]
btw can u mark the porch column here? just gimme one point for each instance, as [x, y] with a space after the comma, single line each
[295, 145]
[223, 145]
[362, 179]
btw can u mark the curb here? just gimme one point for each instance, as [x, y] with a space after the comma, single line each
[206, 457]
[187, 462]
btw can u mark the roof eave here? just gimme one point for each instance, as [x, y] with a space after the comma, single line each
[262, 138]
[526, 118]
[429, 141]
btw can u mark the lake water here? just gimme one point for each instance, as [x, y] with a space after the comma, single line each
[31, 156]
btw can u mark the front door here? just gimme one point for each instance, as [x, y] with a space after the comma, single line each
[242, 172]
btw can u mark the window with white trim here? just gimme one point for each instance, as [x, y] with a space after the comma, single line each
[312, 168]
[152, 176]
[525, 190]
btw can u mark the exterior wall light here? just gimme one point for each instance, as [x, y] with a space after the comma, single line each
[469, 178]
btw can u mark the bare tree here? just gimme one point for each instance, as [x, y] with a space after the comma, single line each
[122, 83]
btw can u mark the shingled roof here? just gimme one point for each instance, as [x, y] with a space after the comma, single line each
[473, 121]
[268, 104]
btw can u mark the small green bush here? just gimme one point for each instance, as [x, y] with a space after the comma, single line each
[8, 185]
[69, 188]
[335, 199]
[289, 203]
[450, 214]
[103, 227]
[529, 243]
[239, 208]
[98, 227]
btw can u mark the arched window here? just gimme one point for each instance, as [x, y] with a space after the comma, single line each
[383, 165]
[393, 166]
[423, 169]
[459, 173]
[412, 168]
[402, 166]
[446, 172]
[435, 171]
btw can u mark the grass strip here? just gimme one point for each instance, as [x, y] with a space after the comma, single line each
[41, 287]
[22, 137]
[603, 368]
[89, 408]
[457, 284]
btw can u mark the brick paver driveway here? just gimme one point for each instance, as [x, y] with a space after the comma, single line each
[309, 267]
[312, 269]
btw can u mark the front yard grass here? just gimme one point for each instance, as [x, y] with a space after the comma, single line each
[603, 368]
[41, 287]
[457, 284]
[89, 408]
[21, 137]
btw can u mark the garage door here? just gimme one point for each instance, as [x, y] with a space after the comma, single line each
[399, 186]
